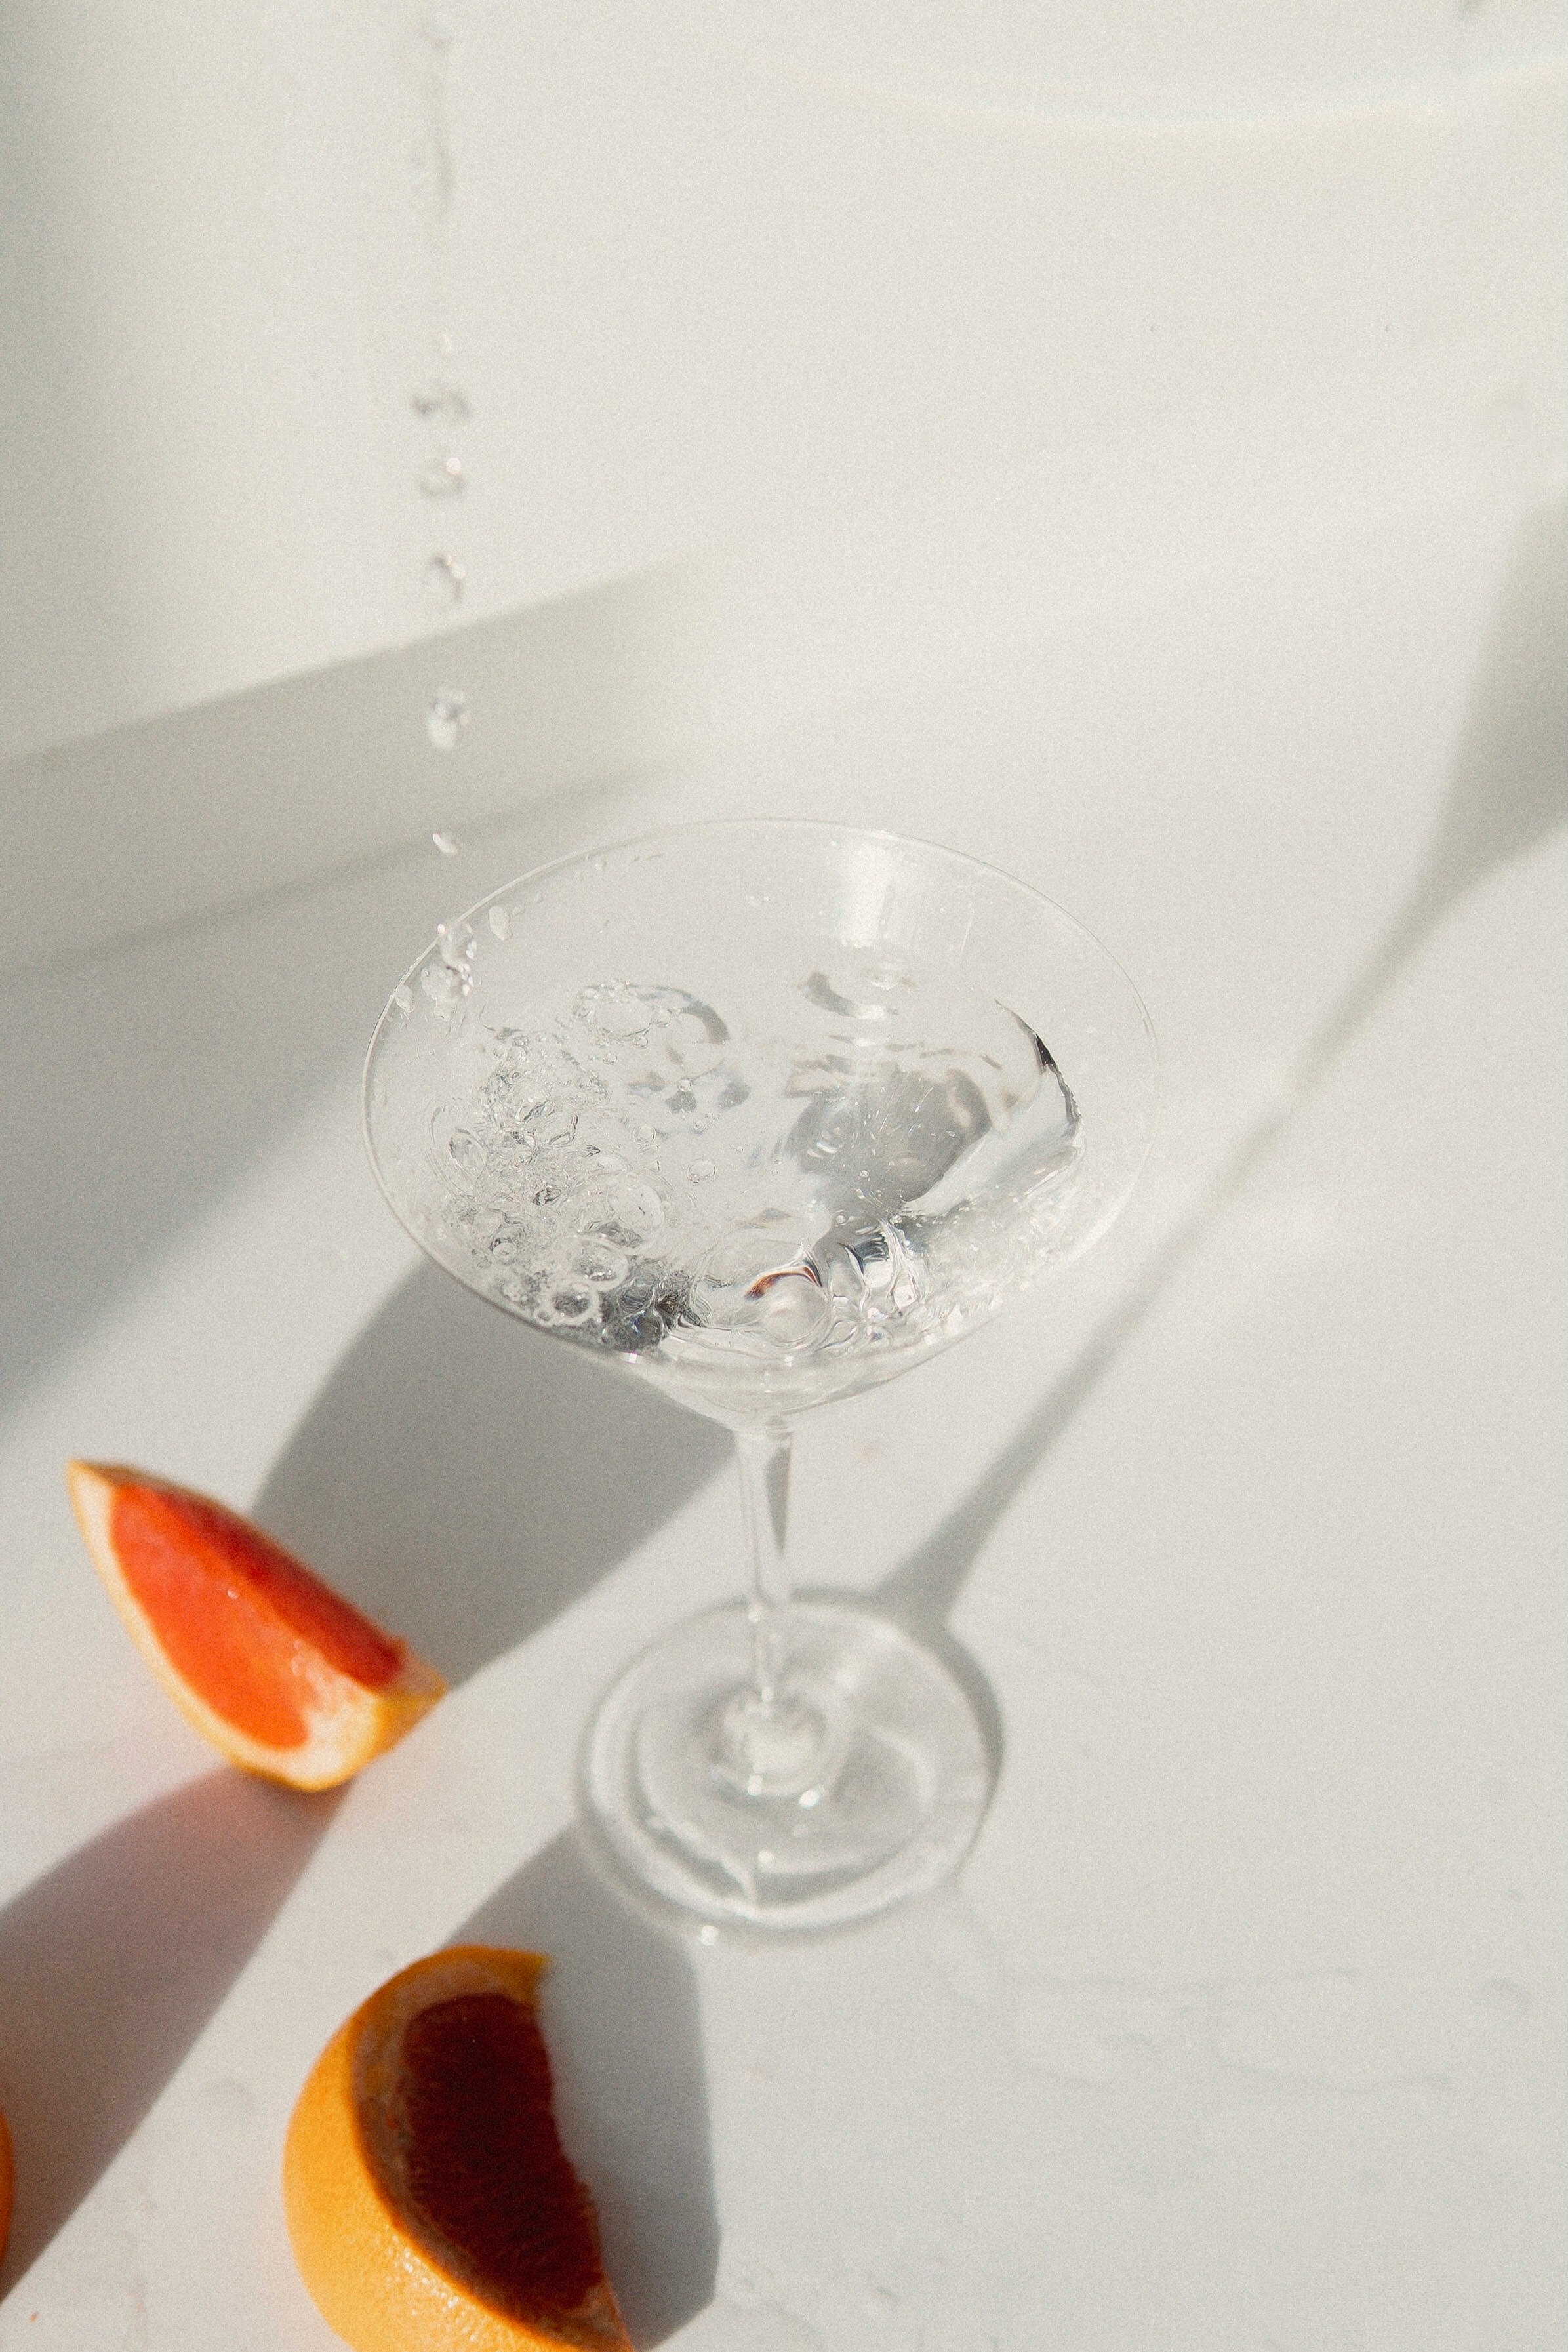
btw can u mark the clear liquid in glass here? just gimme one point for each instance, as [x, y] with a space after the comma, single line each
[762, 1202]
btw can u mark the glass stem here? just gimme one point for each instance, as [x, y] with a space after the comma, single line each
[763, 1455]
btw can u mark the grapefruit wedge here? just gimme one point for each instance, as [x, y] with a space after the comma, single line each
[268, 1662]
[428, 2198]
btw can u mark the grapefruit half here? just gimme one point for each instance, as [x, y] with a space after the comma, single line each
[428, 2198]
[272, 1665]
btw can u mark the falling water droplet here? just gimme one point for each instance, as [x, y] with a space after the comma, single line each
[446, 718]
[444, 479]
[441, 399]
[444, 578]
[447, 843]
[444, 987]
[456, 944]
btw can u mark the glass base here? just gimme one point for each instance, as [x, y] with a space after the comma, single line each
[865, 1780]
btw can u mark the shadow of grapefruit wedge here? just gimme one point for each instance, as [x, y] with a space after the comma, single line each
[428, 2198]
[267, 1661]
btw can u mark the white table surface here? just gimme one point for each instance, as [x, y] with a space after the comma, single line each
[1241, 2029]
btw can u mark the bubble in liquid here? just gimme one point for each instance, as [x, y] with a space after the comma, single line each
[468, 1152]
[500, 922]
[549, 1124]
[619, 1012]
[600, 1263]
[444, 581]
[573, 1305]
[443, 478]
[693, 1048]
[438, 399]
[701, 1170]
[402, 997]
[637, 1210]
[446, 717]
[447, 843]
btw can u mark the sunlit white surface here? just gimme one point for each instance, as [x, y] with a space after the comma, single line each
[1126, 446]
[717, 272]
[1237, 2026]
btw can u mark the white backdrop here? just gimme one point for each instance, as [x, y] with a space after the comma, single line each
[720, 272]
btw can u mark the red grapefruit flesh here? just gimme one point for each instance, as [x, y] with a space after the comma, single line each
[428, 2197]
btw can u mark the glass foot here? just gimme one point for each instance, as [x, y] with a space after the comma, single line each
[864, 1781]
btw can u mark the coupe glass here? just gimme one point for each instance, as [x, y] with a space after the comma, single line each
[766, 1113]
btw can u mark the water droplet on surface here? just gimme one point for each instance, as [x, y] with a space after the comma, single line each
[445, 580]
[708, 1936]
[443, 478]
[500, 922]
[437, 399]
[446, 717]
[447, 843]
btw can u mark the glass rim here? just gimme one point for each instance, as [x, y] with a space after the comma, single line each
[800, 825]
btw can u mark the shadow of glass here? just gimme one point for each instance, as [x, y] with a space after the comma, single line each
[111, 1965]
[1508, 788]
[1507, 792]
[621, 2017]
[463, 1480]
